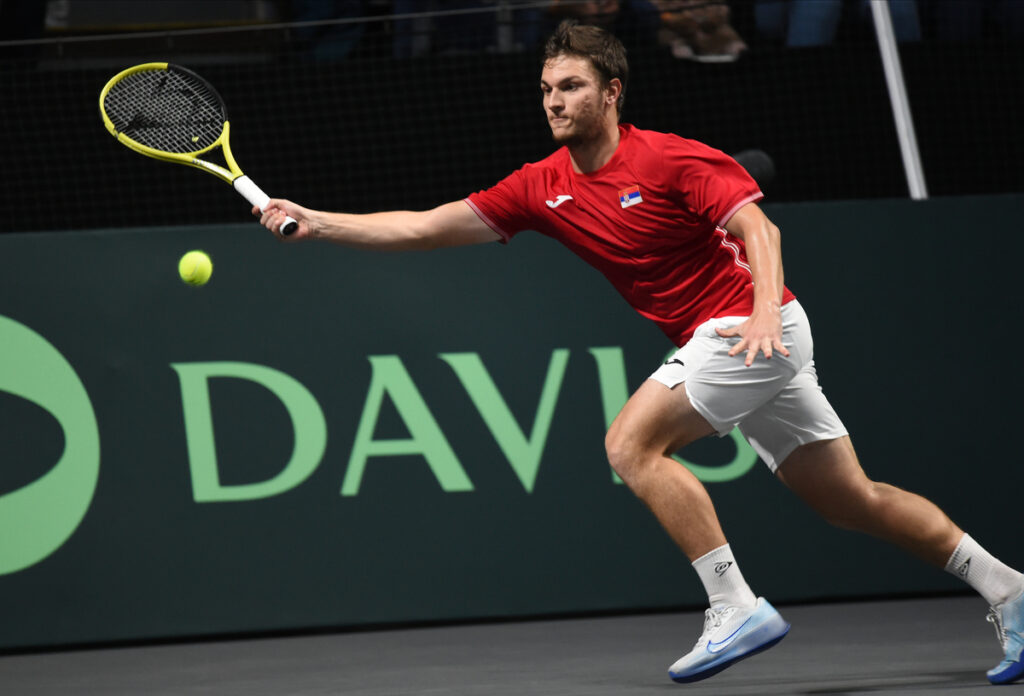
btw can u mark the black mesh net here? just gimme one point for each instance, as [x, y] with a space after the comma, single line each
[166, 109]
[408, 111]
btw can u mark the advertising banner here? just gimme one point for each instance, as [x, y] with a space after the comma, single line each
[322, 437]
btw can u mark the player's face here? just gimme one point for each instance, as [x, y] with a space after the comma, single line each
[574, 101]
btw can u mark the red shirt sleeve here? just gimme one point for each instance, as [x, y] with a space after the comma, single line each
[504, 206]
[710, 183]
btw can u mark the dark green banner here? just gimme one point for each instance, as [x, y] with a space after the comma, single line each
[327, 437]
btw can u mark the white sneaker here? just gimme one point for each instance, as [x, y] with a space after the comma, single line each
[730, 634]
[1009, 622]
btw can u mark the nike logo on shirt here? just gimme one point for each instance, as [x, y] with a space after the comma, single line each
[559, 200]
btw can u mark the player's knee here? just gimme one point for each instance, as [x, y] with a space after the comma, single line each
[615, 449]
[625, 455]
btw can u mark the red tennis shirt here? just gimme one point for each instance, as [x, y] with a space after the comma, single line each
[651, 220]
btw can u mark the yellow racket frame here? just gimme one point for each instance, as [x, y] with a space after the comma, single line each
[232, 175]
[191, 159]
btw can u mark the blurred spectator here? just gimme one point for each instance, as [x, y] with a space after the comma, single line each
[956, 20]
[602, 13]
[816, 22]
[635, 22]
[329, 41]
[694, 29]
[699, 30]
[432, 28]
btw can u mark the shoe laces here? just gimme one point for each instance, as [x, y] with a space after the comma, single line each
[995, 618]
[713, 619]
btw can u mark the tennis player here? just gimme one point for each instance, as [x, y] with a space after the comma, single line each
[675, 226]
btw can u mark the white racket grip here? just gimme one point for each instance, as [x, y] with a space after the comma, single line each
[254, 194]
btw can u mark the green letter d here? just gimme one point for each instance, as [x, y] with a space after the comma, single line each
[307, 420]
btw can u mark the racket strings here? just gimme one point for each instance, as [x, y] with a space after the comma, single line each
[166, 110]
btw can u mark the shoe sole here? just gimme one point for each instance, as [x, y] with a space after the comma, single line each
[712, 670]
[1008, 675]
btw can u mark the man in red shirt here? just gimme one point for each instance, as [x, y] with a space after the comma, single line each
[674, 225]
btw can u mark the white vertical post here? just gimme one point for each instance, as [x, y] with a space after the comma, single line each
[898, 99]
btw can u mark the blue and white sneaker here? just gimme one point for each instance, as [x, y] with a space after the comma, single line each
[730, 634]
[1008, 618]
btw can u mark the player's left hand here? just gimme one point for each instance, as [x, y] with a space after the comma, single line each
[760, 333]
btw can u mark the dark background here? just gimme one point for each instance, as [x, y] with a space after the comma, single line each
[338, 121]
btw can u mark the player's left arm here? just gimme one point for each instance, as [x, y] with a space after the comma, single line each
[762, 331]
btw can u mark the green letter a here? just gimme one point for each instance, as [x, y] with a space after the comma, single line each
[391, 377]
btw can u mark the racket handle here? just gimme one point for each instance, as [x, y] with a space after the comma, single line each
[254, 194]
[289, 226]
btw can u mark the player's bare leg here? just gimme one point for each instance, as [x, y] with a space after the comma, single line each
[656, 422]
[829, 478]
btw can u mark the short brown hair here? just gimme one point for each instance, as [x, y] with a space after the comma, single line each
[604, 51]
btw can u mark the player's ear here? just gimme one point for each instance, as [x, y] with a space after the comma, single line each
[613, 90]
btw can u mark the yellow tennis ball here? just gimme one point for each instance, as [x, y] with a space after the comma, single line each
[195, 267]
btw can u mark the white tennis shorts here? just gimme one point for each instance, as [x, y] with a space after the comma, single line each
[777, 404]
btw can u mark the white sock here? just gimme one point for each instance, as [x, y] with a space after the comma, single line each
[993, 579]
[722, 578]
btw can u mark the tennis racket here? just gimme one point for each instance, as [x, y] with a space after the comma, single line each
[167, 112]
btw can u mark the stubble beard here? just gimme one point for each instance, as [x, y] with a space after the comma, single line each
[586, 129]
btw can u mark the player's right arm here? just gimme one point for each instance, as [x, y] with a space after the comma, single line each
[451, 224]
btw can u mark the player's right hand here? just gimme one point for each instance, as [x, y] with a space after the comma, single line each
[278, 209]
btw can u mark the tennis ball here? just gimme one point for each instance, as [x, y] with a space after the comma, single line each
[195, 267]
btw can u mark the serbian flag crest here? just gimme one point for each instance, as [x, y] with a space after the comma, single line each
[630, 196]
